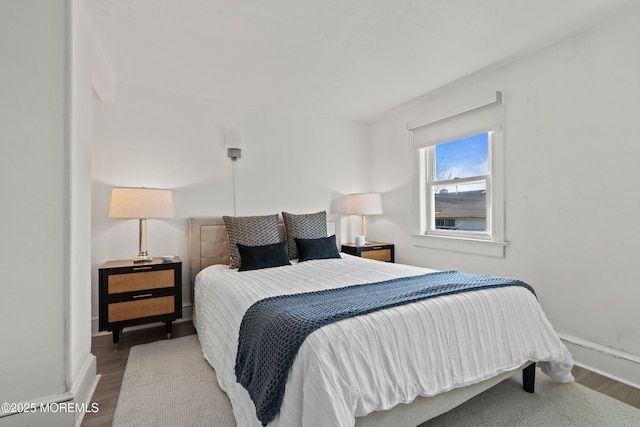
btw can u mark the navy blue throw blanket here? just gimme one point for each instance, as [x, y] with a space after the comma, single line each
[273, 329]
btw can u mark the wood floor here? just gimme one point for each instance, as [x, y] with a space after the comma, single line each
[111, 366]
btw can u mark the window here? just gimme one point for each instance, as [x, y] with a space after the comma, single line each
[456, 186]
[458, 190]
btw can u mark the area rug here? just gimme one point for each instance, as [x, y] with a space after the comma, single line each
[168, 383]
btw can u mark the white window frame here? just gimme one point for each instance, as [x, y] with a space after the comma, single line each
[491, 242]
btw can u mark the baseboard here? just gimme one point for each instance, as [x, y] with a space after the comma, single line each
[613, 363]
[187, 314]
[84, 386]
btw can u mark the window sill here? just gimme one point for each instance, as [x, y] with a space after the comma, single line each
[488, 248]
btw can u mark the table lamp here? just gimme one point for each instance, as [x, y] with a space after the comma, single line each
[364, 204]
[141, 204]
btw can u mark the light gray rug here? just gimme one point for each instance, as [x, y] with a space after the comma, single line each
[168, 383]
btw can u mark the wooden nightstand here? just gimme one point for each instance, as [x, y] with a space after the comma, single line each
[137, 293]
[372, 250]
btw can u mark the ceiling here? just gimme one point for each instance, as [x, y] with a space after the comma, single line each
[353, 59]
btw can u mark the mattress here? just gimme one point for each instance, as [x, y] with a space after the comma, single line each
[374, 362]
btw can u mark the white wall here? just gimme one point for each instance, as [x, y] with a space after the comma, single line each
[45, 353]
[571, 186]
[34, 199]
[291, 161]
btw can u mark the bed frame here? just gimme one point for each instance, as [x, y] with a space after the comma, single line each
[208, 245]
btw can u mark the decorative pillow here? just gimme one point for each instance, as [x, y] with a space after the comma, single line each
[304, 226]
[264, 256]
[250, 231]
[322, 248]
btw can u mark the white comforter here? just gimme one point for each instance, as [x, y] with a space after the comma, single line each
[374, 362]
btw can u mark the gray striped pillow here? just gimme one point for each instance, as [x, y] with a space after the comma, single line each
[250, 231]
[303, 226]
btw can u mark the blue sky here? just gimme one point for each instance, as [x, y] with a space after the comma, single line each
[463, 157]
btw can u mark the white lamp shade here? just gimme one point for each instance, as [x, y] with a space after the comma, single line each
[364, 204]
[141, 203]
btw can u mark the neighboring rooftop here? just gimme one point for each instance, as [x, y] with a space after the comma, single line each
[464, 204]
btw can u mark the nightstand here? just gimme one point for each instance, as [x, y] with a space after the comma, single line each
[138, 293]
[372, 250]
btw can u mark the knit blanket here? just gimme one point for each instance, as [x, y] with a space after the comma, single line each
[273, 329]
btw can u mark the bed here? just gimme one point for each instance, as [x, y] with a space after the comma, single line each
[403, 378]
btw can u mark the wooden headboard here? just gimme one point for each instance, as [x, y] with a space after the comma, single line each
[208, 243]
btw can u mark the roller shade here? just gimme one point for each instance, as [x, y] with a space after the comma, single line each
[476, 117]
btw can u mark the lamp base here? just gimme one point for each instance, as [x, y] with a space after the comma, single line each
[142, 257]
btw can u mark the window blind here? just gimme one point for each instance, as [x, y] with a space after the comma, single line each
[477, 117]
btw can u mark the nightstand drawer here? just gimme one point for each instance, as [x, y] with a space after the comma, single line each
[379, 255]
[127, 310]
[143, 280]
[371, 250]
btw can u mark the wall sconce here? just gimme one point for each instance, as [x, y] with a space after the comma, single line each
[234, 153]
[233, 143]
[141, 204]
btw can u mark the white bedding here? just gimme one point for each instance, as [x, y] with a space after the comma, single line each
[374, 362]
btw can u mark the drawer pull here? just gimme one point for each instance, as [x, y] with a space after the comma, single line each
[142, 295]
[142, 268]
[376, 248]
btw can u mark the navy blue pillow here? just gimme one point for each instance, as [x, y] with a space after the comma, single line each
[322, 248]
[264, 256]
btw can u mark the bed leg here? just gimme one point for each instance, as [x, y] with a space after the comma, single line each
[529, 378]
